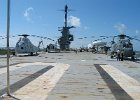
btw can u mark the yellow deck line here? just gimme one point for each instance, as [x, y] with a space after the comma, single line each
[129, 84]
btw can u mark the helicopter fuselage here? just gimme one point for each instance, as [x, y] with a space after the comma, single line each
[125, 46]
[24, 45]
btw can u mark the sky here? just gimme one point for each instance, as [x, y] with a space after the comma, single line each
[92, 19]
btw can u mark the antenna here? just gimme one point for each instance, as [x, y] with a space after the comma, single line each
[66, 10]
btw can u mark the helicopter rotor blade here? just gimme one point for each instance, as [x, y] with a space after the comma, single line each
[135, 39]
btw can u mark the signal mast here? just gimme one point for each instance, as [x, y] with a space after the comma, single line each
[65, 40]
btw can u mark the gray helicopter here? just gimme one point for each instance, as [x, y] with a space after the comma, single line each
[123, 44]
[24, 46]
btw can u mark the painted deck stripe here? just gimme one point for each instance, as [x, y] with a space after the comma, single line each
[17, 66]
[19, 84]
[39, 88]
[127, 83]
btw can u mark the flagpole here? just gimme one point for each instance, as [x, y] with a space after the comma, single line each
[8, 54]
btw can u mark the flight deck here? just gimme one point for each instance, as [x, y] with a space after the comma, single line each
[71, 76]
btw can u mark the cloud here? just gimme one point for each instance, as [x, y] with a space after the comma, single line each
[85, 27]
[120, 27]
[28, 13]
[74, 21]
[137, 32]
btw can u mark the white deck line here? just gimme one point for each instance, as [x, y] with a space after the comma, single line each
[39, 88]
[130, 85]
[17, 66]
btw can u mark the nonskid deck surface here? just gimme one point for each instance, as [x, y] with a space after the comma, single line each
[70, 76]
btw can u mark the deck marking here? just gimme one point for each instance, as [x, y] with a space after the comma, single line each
[130, 85]
[17, 66]
[40, 87]
[117, 91]
[18, 84]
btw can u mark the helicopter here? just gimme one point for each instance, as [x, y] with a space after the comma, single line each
[123, 44]
[97, 46]
[24, 46]
[53, 48]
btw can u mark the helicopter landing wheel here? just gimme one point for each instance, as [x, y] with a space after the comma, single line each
[31, 53]
[132, 58]
[111, 57]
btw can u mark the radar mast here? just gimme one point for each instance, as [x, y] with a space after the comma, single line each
[66, 38]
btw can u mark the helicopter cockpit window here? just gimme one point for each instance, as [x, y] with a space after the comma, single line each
[127, 45]
[124, 44]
